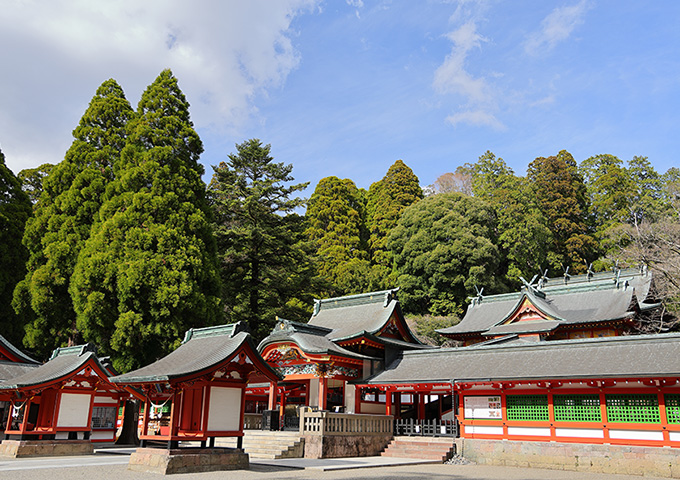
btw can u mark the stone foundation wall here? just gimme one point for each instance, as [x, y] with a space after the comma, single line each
[339, 446]
[614, 459]
[45, 448]
[187, 460]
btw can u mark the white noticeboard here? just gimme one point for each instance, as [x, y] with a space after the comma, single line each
[74, 410]
[486, 407]
[224, 413]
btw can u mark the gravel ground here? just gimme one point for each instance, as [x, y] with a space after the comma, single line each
[257, 472]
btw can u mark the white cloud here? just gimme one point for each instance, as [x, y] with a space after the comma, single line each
[453, 77]
[224, 53]
[479, 118]
[556, 27]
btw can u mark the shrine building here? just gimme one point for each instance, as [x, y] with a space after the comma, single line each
[347, 339]
[585, 306]
[69, 398]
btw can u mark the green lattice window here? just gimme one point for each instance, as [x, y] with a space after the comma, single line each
[527, 407]
[672, 408]
[634, 408]
[577, 408]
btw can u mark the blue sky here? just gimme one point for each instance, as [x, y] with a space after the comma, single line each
[346, 88]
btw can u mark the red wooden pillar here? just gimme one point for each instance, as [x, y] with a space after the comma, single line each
[323, 392]
[421, 406]
[357, 400]
[272, 396]
[388, 402]
[282, 408]
[397, 405]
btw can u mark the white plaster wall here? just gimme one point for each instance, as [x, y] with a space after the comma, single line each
[579, 432]
[74, 410]
[350, 403]
[483, 430]
[314, 392]
[636, 435]
[224, 413]
[529, 431]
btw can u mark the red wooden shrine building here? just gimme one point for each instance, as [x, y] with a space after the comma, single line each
[196, 393]
[68, 397]
[347, 339]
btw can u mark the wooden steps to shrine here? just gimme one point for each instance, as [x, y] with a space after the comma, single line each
[267, 444]
[425, 448]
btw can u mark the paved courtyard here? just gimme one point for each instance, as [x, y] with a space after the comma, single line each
[114, 467]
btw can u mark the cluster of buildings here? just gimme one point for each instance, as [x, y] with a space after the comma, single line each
[556, 361]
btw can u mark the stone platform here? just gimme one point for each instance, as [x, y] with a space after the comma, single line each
[187, 460]
[45, 448]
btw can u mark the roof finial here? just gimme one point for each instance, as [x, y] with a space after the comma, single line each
[590, 271]
[544, 278]
[566, 274]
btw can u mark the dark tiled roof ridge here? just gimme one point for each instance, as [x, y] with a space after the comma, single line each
[650, 338]
[229, 329]
[17, 352]
[354, 300]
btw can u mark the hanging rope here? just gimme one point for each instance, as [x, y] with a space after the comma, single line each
[157, 407]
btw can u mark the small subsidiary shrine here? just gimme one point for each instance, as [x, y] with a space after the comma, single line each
[197, 392]
[13, 363]
[69, 398]
[585, 306]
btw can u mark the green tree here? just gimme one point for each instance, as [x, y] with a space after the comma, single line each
[386, 200]
[648, 202]
[149, 271]
[335, 225]
[32, 180]
[522, 233]
[610, 190]
[563, 200]
[265, 259]
[69, 203]
[443, 246]
[15, 209]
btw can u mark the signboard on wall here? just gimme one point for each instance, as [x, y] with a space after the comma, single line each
[483, 406]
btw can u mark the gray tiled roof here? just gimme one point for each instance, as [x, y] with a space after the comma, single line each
[600, 298]
[352, 315]
[15, 351]
[623, 357]
[310, 338]
[9, 370]
[62, 365]
[199, 353]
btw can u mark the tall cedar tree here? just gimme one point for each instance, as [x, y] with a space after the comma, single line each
[522, 231]
[149, 270]
[610, 190]
[563, 200]
[15, 209]
[265, 258]
[443, 247]
[68, 206]
[32, 180]
[335, 225]
[387, 199]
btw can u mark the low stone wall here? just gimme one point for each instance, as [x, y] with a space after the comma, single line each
[339, 446]
[187, 460]
[613, 459]
[45, 448]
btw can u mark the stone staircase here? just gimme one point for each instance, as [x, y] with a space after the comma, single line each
[269, 445]
[425, 448]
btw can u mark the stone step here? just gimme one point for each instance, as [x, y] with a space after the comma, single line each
[426, 448]
[268, 445]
